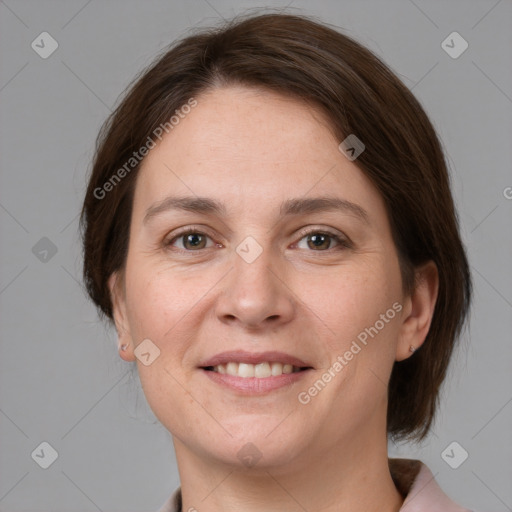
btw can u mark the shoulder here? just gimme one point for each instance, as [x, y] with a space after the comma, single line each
[417, 484]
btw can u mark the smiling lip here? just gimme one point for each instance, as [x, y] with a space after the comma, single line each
[241, 356]
[254, 385]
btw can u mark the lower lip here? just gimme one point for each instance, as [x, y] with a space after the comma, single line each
[255, 385]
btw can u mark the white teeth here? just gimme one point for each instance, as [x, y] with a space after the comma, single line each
[287, 368]
[245, 370]
[277, 369]
[260, 370]
[232, 369]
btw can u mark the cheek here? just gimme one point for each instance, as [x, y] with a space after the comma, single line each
[352, 299]
[159, 298]
[363, 310]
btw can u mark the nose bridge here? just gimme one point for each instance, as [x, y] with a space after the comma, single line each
[255, 293]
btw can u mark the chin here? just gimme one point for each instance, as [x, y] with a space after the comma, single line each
[262, 443]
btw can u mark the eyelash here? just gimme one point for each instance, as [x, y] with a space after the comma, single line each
[343, 243]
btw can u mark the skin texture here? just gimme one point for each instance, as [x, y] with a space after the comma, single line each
[253, 149]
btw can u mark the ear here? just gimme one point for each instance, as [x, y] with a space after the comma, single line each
[418, 311]
[118, 298]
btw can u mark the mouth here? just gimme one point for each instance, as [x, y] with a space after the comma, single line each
[254, 373]
[260, 371]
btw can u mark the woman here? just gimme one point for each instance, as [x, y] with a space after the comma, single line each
[269, 224]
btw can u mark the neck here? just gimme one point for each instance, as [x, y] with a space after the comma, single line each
[353, 478]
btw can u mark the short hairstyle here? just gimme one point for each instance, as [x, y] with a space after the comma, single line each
[304, 59]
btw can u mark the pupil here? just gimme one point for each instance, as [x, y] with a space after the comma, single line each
[318, 240]
[194, 239]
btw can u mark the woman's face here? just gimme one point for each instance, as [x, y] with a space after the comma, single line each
[268, 276]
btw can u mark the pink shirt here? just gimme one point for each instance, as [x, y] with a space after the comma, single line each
[412, 479]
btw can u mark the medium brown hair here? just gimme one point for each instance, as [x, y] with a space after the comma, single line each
[307, 60]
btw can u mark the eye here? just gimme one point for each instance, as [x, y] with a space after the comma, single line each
[190, 240]
[317, 240]
[322, 240]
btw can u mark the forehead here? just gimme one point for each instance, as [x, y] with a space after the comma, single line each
[243, 144]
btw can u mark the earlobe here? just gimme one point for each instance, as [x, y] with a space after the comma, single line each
[419, 311]
[117, 298]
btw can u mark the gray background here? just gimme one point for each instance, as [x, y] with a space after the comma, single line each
[61, 380]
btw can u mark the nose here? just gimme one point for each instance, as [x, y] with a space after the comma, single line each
[256, 295]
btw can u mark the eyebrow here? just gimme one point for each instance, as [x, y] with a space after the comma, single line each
[298, 206]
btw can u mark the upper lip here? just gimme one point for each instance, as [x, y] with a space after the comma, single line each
[242, 356]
